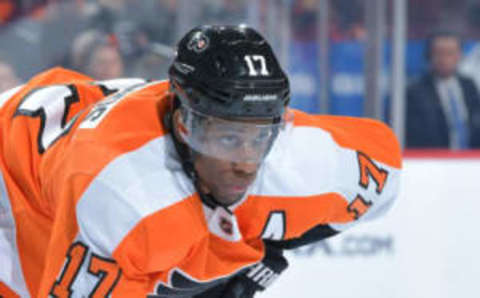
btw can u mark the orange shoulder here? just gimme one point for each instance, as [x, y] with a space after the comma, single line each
[105, 131]
[369, 136]
[57, 75]
[134, 115]
[53, 76]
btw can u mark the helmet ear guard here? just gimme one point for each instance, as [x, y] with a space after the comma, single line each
[178, 127]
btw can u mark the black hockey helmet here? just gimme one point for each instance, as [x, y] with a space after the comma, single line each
[229, 72]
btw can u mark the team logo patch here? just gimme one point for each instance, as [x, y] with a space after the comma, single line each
[198, 43]
[226, 226]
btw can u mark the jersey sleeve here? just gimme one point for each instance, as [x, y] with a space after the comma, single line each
[367, 170]
[368, 178]
[336, 173]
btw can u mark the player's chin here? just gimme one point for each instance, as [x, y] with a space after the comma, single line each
[228, 199]
[228, 192]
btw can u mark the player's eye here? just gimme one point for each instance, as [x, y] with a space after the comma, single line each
[229, 141]
[263, 137]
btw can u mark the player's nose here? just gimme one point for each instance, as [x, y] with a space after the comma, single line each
[245, 168]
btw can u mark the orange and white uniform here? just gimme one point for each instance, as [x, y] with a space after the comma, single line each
[122, 219]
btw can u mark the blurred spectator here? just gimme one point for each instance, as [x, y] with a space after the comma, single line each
[7, 9]
[61, 22]
[12, 9]
[134, 23]
[443, 107]
[304, 20]
[157, 19]
[21, 41]
[97, 55]
[348, 23]
[8, 77]
[154, 63]
[427, 14]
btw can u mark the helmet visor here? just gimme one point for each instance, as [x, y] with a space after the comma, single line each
[242, 140]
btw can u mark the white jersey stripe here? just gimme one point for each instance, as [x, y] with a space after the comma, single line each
[10, 270]
[133, 186]
[306, 168]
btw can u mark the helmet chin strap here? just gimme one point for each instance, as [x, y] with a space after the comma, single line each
[187, 156]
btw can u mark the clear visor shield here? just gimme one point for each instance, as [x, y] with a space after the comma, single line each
[243, 141]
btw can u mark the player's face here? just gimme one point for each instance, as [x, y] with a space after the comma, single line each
[227, 152]
[239, 151]
[226, 181]
[445, 56]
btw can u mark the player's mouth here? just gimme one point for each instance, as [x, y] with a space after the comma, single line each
[237, 189]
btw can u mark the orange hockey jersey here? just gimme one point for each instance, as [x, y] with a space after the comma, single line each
[113, 213]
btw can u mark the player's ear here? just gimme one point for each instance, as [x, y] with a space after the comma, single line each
[178, 124]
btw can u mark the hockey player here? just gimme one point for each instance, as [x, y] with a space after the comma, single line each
[183, 188]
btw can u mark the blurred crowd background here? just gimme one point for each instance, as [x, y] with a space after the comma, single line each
[339, 53]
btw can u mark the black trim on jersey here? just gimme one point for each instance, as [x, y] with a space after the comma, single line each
[183, 286]
[318, 233]
[105, 90]
[65, 268]
[102, 274]
[355, 211]
[284, 221]
[69, 100]
[217, 291]
[105, 104]
[25, 112]
[208, 199]
[382, 170]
